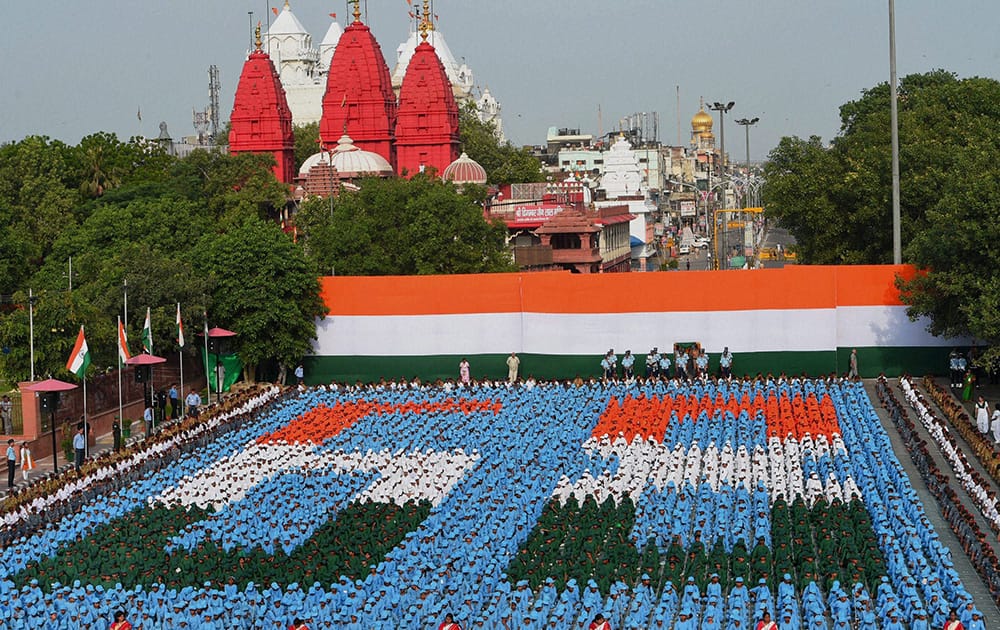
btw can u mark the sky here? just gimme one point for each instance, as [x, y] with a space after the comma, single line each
[74, 68]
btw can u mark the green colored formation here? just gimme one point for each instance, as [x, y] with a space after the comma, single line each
[831, 541]
[579, 542]
[130, 550]
[824, 543]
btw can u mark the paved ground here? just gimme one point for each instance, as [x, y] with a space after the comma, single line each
[970, 578]
[45, 465]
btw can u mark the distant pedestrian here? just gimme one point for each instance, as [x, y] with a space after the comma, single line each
[175, 402]
[606, 370]
[983, 416]
[6, 414]
[11, 463]
[79, 448]
[953, 370]
[513, 363]
[995, 423]
[464, 371]
[726, 363]
[600, 623]
[953, 623]
[300, 374]
[628, 361]
[852, 372]
[969, 385]
[116, 434]
[120, 623]
[27, 462]
[193, 403]
[653, 364]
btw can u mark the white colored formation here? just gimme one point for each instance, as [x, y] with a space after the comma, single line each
[778, 469]
[403, 477]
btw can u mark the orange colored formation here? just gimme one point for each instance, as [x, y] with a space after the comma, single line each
[648, 417]
[798, 416]
[323, 422]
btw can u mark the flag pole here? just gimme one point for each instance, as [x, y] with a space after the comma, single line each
[86, 425]
[208, 381]
[180, 359]
[121, 415]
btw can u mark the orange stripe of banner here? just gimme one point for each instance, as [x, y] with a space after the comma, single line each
[422, 295]
[798, 287]
[863, 285]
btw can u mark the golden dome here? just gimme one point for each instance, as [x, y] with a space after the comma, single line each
[702, 121]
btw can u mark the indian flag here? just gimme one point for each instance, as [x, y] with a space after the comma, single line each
[147, 334]
[123, 354]
[799, 320]
[79, 360]
[180, 327]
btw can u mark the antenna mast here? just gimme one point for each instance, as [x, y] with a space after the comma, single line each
[214, 86]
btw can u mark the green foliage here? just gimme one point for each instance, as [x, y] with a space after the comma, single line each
[504, 163]
[836, 200]
[403, 227]
[127, 211]
[306, 142]
[265, 288]
[233, 186]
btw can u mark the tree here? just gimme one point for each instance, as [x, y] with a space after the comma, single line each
[265, 289]
[232, 186]
[837, 199]
[504, 163]
[38, 194]
[959, 289]
[404, 227]
[306, 142]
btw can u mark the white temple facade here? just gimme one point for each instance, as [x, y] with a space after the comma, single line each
[622, 185]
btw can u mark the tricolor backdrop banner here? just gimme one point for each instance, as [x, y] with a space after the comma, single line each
[561, 324]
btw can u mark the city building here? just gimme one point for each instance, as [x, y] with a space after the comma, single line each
[555, 225]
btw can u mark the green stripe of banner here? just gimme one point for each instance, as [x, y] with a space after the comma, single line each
[872, 362]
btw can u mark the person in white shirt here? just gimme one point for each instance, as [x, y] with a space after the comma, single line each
[193, 402]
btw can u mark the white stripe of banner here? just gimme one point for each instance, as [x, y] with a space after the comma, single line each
[575, 334]
[885, 326]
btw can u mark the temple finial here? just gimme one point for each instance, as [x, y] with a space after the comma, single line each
[425, 21]
[256, 33]
[357, 10]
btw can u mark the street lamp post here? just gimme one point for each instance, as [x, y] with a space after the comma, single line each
[747, 123]
[897, 241]
[723, 109]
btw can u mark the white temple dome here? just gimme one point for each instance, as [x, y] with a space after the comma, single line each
[349, 160]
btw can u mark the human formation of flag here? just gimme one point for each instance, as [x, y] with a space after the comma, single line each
[496, 500]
